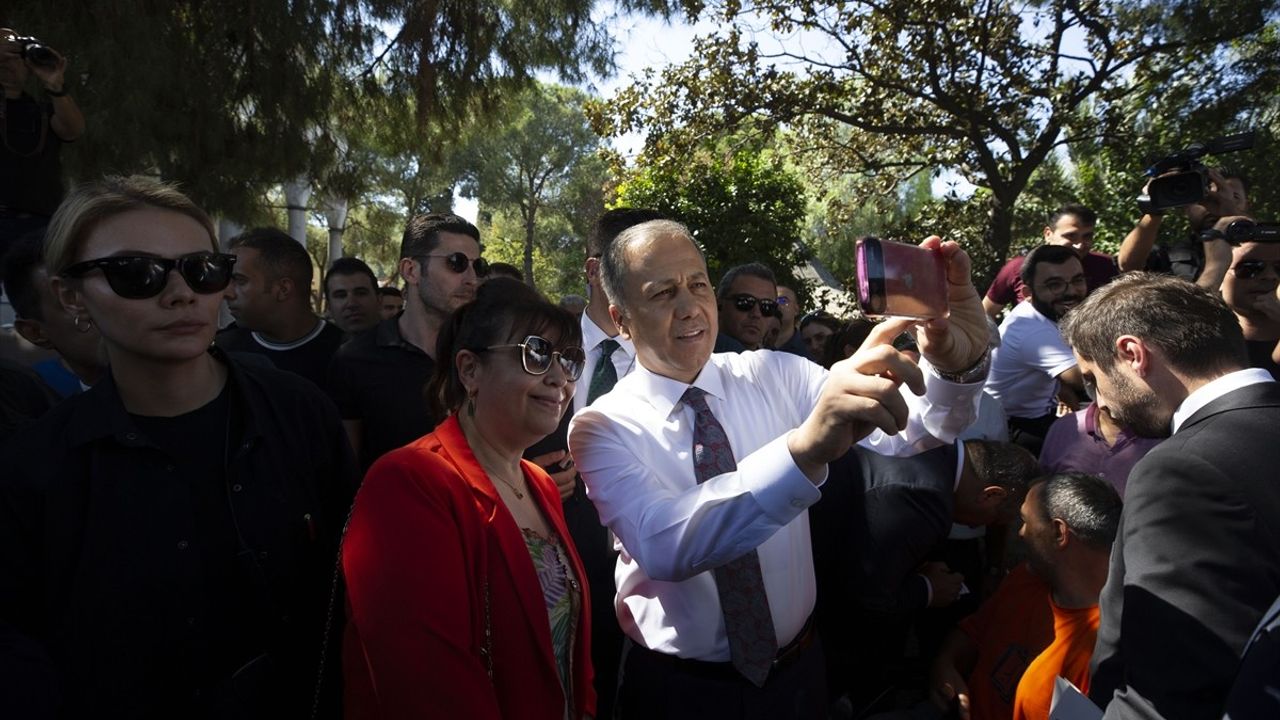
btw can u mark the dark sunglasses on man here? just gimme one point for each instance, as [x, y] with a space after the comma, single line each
[458, 262]
[745, 302]
[537, 354]
[138, 277]
[1249, 269]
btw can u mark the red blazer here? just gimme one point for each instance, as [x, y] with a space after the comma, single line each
[426, 532]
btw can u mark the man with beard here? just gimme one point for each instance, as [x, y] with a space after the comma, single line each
[1196, 561]
[1069, 226]
[377, 378]
[1227, 195]
[747, 298]
[1034, 367]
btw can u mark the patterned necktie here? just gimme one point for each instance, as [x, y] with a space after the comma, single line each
[605, 376]
[753, 643]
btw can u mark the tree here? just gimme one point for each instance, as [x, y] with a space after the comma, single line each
[883, 90]
[228, 97]
[740, 202]
[541, 158]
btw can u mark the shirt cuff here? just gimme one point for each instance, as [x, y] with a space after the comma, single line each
[928, 590]
[772, 477]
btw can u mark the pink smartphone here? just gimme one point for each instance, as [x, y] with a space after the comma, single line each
[898, 280]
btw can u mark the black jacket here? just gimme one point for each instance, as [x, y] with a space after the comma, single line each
[88, 572]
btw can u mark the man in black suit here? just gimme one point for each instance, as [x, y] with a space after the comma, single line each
[1196, 561]
[877, 532]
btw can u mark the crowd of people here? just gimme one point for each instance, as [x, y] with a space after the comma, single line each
[679, 496]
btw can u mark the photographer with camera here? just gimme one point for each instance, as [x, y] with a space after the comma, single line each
[32, 133]
[1207, 193]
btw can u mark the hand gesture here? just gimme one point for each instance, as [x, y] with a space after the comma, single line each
[955, 343]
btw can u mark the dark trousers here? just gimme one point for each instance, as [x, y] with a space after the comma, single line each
[655, 686]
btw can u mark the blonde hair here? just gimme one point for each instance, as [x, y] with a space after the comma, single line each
[91, 203]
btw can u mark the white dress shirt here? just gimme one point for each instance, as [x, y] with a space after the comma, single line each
[1215, 389]
[623, 358]
[633, 450]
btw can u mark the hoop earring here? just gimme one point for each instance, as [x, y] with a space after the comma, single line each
[471, 403]
[88, 323]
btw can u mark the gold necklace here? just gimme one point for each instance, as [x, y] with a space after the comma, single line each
[514, 489]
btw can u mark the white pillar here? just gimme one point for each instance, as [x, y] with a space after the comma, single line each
[336, 214]
[296, 195]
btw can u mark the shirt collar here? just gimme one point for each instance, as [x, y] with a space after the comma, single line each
[664, 393]
[388, 335]
[1215, 389]
[593, 335]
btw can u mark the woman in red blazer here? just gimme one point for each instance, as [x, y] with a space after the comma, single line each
[465, 596]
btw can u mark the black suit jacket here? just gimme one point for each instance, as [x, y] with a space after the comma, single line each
[878, 519]
[1195, 564]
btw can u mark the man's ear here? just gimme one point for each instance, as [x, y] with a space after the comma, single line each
[592, 269]
[411, 270]
[1134, 352]
[1061, 533]
[33, 332]
[621, 320]
[282, 289]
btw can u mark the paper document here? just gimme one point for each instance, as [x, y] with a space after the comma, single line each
[1070, 704]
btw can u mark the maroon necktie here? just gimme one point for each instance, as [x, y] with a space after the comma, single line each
[753, 644]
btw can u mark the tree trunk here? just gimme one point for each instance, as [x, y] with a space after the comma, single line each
[529, 223]
[296, 194]
[999, 235]
[336, 214]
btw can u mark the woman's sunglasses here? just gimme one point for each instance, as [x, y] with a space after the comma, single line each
[459, 261]
[537, 353]
[138, 277]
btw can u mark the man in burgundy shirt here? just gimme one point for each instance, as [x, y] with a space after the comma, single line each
[1070, 225]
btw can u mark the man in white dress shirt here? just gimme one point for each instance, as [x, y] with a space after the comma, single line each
[680, 526]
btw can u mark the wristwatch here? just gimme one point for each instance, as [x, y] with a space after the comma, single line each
[972, 374]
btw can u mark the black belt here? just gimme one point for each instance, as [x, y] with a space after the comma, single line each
[726, 670]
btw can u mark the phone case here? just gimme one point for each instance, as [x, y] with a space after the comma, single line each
[898, 280]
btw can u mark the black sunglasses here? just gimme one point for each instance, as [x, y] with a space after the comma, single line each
[746, 302]
[538, 352]
[138, 277]
[1248, 269]
[459, 261]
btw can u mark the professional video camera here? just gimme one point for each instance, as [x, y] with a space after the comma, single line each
[1190, 183]
[35, 51]
[1243, 231]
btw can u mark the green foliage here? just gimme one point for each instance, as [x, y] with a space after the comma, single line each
[741, 203]
[882, 91]
[229, 98]
[539, 164]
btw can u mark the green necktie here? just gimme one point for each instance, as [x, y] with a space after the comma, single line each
[605, 376]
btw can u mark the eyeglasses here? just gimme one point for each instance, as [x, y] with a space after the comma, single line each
[138, 277]
[783, 301]
[1249, 269]
[1057, 286]
[538, 352]
[459, 261]
[746, 302]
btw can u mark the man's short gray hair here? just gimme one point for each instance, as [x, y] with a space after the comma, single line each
[613, 263]
[1089, 505]
[751, 269]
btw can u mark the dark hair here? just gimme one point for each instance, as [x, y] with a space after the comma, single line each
[506, 270]
[422, 234]
[386, 290]
[611, 224]
[20, 264]
[1089, 505]
[1001, 464]
[282, 256]
[613, 264]
[851, 333]
[1082, 213]
[1192, 327]
[505, 310]
[1050, 254]
[752, 269]
[349, 266]
[820, 317]
[1229, 173]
